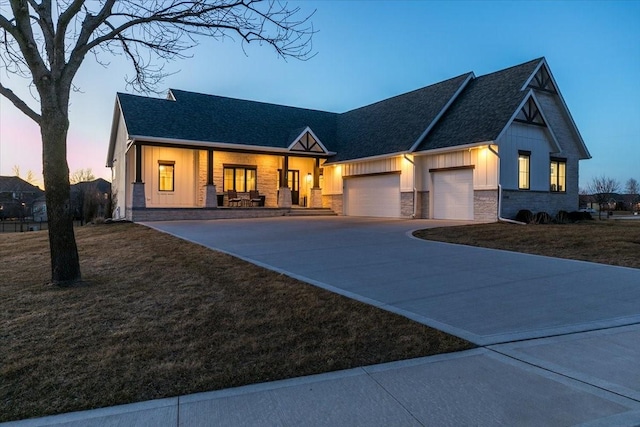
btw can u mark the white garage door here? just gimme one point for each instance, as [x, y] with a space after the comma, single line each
[377, 195]
[453, 194]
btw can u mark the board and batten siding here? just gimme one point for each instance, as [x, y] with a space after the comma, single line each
[119, 177]
[522, 137]
[485, 165]
[380, 166]
[185, 177]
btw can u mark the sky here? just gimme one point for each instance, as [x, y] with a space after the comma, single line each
[367, 51]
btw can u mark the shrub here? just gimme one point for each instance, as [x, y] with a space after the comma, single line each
[524, 215]
[562, 217]
[543, 218]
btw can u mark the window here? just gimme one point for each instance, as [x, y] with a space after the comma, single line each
[524, 158]
[240, 178]
[166, 175]
[558, 175]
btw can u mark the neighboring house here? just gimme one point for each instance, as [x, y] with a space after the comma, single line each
[468, 148]
[17, 197]
[90, 199]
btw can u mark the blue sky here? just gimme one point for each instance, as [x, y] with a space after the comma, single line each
[371, 50]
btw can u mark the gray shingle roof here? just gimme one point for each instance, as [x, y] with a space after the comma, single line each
[392, 125]
[209, 118]
[483, 109]
[479, 113]
[11, 184]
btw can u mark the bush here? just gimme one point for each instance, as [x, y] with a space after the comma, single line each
[542, 218]
[562, 217]
[524, 215]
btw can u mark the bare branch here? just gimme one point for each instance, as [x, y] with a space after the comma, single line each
[19, 103]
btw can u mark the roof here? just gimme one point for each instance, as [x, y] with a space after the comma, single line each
[483, 110]
[395, 124]
[211, 118]
[14, 184]
[100, 184]
[459, 111]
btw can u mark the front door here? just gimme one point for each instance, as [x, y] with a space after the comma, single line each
[294, 185]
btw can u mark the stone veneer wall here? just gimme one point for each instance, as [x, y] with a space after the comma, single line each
[171, 214]
[406, 204]
[537, 201]
[423, 205]
[485, 205]
[333, 202]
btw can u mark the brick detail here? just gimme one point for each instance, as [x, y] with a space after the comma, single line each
[423, 205]
[333, 202]
[537, 201]
[406, 204]
[485, 205]
[284, 197]
[174, 214]
[211, 199]
[316, 198]
[138, 197]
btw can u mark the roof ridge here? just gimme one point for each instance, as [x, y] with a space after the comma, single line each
[513, 66]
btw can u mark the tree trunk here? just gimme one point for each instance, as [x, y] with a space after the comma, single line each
[65, 264]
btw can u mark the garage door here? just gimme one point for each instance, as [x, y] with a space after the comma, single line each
[377, 195]
[453, 194]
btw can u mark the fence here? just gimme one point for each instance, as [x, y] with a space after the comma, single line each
[11, 226]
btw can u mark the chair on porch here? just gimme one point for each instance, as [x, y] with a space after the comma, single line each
[254, 197]
[234, 200]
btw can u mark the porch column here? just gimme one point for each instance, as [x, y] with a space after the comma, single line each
[284, 192]
[316, 192]
[210, 197]
[138, 197]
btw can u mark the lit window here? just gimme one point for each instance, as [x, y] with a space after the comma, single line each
[524, 158]
[166, 175]
[558, 175]
[240, 178]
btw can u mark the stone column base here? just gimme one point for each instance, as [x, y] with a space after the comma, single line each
[138, 197]
[284, 198]
[210, 197]
[316, 198]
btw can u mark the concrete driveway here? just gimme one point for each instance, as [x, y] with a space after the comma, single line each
[483, 295]
[560, 340]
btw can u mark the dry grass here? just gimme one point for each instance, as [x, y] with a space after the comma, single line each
[606, 242]
[162, 317]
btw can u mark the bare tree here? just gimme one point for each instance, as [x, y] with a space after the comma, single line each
[632, 188]
[601, 189]
[81, 175]
[46, 42]
[30, 178]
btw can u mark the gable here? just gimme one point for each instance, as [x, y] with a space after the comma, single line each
[307, 142]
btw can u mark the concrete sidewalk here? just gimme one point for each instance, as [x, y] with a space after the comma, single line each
[561, 339]
[485, 386]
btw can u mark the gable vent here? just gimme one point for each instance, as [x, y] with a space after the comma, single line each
[308, 144]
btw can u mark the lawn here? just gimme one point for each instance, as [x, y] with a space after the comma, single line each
[614, 242]
[160, 317]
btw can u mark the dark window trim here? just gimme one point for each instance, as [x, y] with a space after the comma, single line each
[558, 160]
[528, 155]
[235, 167]
[171, 163]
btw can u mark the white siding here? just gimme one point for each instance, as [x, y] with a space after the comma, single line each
[119, 171]
[527, 138]
[331, 180]
[185, 178]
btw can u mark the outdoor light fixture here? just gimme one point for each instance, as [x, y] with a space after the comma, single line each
[309, 177]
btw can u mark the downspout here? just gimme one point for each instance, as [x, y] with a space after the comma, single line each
[500, 218]
[415, 190]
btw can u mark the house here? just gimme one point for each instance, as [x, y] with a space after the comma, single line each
[17, 197]
[90, 199]
[467, 148]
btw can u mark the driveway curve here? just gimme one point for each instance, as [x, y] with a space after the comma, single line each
[483, 295]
